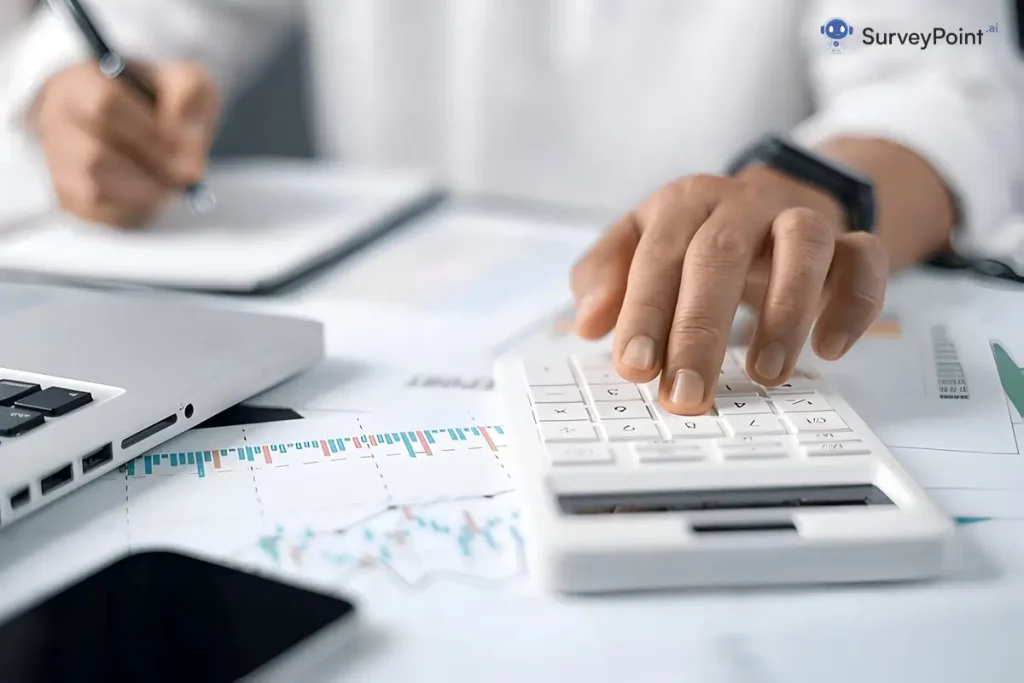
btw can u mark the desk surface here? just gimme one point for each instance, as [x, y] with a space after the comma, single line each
[455, 631]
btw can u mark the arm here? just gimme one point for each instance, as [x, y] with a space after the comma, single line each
[229, 38]
[939, 130]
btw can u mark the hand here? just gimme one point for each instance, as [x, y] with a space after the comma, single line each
[670, 276]
[112, 157]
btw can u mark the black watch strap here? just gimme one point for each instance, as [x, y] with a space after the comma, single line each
[852, 190]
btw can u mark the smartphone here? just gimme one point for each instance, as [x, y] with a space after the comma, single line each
[164, 616]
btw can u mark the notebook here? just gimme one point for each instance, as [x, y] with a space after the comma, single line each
[274, 221]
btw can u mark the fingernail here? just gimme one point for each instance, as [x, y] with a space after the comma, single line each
[770, 361]
[639, 353]
[687, 388]
[834, 345]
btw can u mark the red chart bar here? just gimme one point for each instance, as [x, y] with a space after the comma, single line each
[266, 455]
[373, 440]
[325, 448]
[423, 442]
[355, 442]
[487, 438]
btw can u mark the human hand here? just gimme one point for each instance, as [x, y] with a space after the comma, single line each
[670, 276]
[113, 157]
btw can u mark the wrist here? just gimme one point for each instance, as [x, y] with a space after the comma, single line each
[797, 193]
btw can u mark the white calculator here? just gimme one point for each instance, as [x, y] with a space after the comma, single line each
[783, 485]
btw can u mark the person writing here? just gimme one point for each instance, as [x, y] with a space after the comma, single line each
[893, 152]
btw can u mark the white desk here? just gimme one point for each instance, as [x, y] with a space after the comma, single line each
[454, 631]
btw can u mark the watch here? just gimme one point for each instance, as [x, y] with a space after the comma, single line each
[853, 191]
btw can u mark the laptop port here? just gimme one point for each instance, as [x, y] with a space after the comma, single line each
[20, 498]
[97, 458]
[57, 479]
[149, 431]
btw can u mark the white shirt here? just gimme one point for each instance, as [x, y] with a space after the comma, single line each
[598, 102]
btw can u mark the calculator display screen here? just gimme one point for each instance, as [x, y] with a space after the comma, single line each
[859, 495]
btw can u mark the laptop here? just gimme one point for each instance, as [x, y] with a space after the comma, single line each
[91, 379]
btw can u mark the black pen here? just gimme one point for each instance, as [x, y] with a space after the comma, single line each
[113, 66]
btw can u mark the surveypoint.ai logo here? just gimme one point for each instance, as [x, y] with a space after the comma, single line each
[838, 31]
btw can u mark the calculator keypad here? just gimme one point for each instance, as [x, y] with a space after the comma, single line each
[587, 414]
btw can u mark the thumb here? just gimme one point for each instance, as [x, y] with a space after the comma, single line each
[599, 279]
[189, 107]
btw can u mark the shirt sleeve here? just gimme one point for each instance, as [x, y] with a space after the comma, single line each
[231, 38]
[953, 95]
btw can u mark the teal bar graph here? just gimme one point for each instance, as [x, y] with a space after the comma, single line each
[412, 443]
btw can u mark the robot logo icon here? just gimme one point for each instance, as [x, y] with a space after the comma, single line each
[836, 31]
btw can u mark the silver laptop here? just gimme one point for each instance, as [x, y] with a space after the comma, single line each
[90, 380]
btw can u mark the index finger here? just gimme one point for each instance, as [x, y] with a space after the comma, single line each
[711, 289]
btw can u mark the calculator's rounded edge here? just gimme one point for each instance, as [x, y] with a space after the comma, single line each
[526, 462]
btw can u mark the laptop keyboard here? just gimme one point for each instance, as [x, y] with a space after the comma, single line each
[25, 406]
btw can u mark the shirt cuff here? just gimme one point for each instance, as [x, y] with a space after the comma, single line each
[935, 126]
[47, 47]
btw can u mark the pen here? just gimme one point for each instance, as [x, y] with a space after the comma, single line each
[113, 66]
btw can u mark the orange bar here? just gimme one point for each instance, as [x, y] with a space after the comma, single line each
[216, 460]
[325, 448]
[266, 455]
[423, 442]
[487, 438]
[373, 440]
[473, 528]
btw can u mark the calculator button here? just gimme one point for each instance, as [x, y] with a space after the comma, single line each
[581, 455]
[55, 401]
[817, 422]
[795, 385]
[596, 360]
[739, 387]
[671, 452]
[632, 430]
[15, 421]
[754, 425]
[735, 405]
[548, 374]
[623, 410]
[695, 427]
[616, 392]
[556, 394]
[11, 391]
[824, 437]
[561, 412]
[837, 448]
[604, 375]
[750, 448]
[568, 431]
[801, 403]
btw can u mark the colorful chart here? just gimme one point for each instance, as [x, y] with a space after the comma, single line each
[422, 443]
[473, 539]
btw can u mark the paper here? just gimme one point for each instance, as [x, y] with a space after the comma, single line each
[934, 385]
[272, 221]
[961, 471]
[216, 489]
[504, 268]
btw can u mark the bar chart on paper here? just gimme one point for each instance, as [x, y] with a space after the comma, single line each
[413, 444]
[323, 473]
